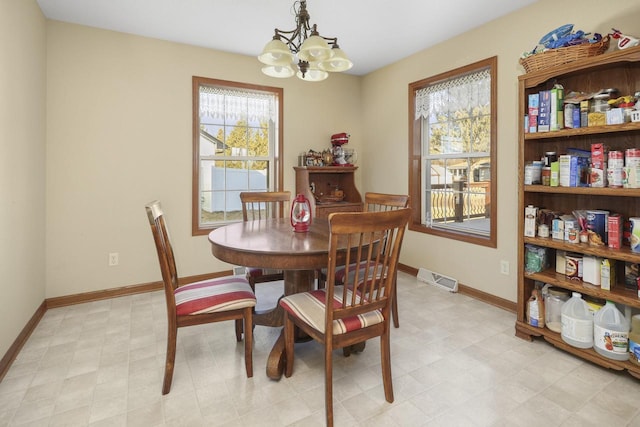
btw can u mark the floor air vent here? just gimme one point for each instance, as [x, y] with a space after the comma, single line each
[439, 280]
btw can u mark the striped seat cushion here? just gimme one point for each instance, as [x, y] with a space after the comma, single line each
[210, 296]
[310, 307]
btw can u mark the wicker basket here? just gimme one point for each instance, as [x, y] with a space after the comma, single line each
[563, 55]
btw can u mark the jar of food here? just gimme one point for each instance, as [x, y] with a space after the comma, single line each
[600, 103]
[546, 175]
[553, 301]
[550, 157]
[543, 230]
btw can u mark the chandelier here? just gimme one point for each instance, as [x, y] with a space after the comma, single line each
[316, 55]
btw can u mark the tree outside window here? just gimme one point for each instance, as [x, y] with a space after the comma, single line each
[236, 144]
[453, 153]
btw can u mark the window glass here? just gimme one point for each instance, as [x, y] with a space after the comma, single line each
[237, 141]
[453, 144]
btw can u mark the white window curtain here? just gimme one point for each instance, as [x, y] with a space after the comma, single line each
[458, 94]
[219, 102]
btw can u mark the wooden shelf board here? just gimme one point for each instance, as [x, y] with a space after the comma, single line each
[590, 354]
[618, 293]
[589, 191]
[622, 254]
[590, 130]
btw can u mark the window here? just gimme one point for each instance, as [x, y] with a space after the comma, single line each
[452, 161]
[237, 141]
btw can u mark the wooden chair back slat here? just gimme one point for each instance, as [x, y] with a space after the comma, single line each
[258, 205]
[376, 202]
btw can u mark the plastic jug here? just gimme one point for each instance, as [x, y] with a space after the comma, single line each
[611, 333]
[577, 322]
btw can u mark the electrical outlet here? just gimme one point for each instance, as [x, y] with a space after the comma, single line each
[504, 267]
[113, 259]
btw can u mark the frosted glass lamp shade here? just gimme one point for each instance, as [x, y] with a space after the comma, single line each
[338, 62]
[313, 74]
[276, 52]
[314, 49]
[279, 71]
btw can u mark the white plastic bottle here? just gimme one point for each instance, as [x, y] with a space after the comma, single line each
[577, 322]
[611, 333]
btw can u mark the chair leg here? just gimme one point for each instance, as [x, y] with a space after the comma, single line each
[394, 303]
[328, 379]
[394, 308]
[172, 335]
[288, 345]
[322, 280]
[385, 355]
[248, 340]
[239, 329]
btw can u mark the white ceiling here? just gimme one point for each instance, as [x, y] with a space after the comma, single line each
[373, 33]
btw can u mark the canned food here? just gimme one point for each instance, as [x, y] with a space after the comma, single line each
[614, 177]
[528, 174]
[573, 266]
[632, 157]
[532, 173]
[543, 230]
[616, 159]
[573, 235]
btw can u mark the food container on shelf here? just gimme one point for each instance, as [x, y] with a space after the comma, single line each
[611, 333]
[577, 322]
[554, 299]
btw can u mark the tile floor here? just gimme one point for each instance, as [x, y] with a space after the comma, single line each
[456, 362]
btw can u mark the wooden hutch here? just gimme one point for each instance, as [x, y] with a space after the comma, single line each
[319, 185]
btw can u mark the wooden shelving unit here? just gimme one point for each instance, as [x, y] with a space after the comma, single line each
[620, 70]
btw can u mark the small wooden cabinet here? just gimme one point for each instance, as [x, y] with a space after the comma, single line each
[316, 183]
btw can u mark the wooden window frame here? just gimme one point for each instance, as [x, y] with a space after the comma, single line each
[196, 228]
[416, 189]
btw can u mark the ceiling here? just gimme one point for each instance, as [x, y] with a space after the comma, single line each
[373, 33]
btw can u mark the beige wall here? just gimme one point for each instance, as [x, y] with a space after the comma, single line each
[22, 166]
[119, 135]
[385, 126]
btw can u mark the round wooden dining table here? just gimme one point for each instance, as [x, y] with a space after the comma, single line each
[272, 243]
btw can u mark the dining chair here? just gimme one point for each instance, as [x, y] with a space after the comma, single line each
[340, 315]
[375, 202]
[262, 205]
[208, 301]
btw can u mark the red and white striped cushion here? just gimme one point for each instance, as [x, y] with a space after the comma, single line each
[209, 296]
[310, 307]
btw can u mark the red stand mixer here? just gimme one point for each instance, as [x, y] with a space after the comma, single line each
[337, 141]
